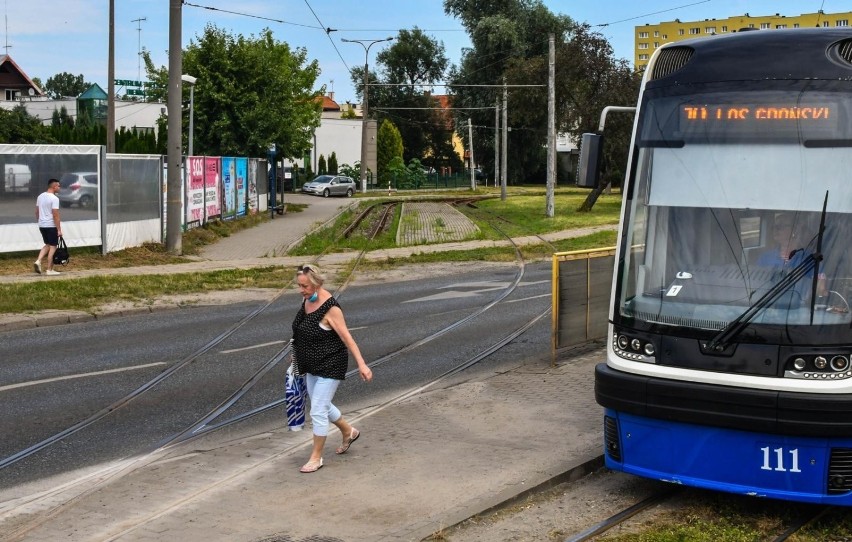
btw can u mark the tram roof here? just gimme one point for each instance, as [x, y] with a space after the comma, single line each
[784, 54]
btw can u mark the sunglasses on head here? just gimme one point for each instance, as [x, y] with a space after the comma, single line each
[304, 269]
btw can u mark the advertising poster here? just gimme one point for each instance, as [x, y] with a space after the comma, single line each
[212, 187]
[252, 187]
[229, 187]
[242, 173]
[194, 192]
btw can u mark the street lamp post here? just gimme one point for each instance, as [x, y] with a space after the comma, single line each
[273, 181]
[366, 44]
[191, 81]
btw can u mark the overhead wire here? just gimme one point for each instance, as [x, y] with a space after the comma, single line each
[252, 16]
[653, 13]
[328, 30]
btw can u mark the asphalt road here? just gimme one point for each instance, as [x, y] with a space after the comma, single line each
[54, 377]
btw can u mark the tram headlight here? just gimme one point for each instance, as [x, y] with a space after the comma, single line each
[839, 363]
[814, 366]
[623, 342]
[636, 345]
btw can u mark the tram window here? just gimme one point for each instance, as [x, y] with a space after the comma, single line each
[750, 231]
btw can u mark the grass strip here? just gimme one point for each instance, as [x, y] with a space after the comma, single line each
[87, 293]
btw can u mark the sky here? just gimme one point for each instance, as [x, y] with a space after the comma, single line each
[46, 37]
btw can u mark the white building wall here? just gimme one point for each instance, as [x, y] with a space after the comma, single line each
[341, 136]
[127, 114]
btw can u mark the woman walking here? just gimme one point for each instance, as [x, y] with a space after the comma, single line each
[321, 347]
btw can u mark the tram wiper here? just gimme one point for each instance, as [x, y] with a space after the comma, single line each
[733, 329]
[819, 251]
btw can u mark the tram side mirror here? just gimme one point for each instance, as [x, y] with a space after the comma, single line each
[590, 160]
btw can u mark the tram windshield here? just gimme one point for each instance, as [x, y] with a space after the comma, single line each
[728, 195]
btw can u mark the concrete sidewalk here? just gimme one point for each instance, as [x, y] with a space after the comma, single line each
[465, 447]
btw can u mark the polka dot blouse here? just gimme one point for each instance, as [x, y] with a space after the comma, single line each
[318, 351]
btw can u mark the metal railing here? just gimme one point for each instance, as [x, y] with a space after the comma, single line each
[582, 285]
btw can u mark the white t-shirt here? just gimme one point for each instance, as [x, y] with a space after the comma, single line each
[46, 203]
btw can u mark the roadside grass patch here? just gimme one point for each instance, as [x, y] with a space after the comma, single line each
[540, 251]
[87, 293]
[721, 517]
[149, 254]
[524, 213]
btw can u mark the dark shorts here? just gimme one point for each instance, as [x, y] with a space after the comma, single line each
[50, 236]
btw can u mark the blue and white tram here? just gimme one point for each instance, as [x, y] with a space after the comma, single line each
[728, 359]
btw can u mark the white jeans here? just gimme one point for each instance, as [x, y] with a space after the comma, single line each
[321, 391]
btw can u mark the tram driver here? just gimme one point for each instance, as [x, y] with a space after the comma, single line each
[790, 251]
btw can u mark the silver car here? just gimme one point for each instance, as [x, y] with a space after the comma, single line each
[78, 188]
[330, 185]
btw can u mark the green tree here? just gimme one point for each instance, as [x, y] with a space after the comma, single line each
[61, 117]
[510, 41]
[65, 84]
[350, 171]
[18, 126]
[396, 173]
[414, 60]
[349, 112]
[322, 169]
[332, 163]
[388, 147]
[250, 92]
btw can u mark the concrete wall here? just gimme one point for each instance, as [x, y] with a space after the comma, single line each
[127, 114]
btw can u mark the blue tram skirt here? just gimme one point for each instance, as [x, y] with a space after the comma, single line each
[757, 464]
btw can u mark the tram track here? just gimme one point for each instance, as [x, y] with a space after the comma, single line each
[207, 423]
[683, 502]
[624, 515]
[170, 371]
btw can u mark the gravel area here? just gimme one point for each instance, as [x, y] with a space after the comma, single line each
[559, 513]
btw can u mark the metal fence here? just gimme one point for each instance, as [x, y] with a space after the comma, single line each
[118, 201]
[582, 285]
[434, 181]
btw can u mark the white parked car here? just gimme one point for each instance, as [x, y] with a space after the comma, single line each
[330, 185]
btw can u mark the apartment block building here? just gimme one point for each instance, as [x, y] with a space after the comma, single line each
[649, 37]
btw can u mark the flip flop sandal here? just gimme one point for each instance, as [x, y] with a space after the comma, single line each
[311, 466]
[348, 442]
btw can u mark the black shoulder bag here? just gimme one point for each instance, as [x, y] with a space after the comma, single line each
[61, 256]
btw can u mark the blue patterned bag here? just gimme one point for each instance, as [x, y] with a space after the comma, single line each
[295, 397]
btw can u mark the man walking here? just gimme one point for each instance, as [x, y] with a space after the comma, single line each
[47, 214]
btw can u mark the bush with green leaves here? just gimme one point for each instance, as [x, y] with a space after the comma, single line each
[350, 171]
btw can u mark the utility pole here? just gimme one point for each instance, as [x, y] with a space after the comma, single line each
[366, 44]
[503, 147]
[496, 141]
[551, 126]
[472, 162]
[110, 125]
[174, 235]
